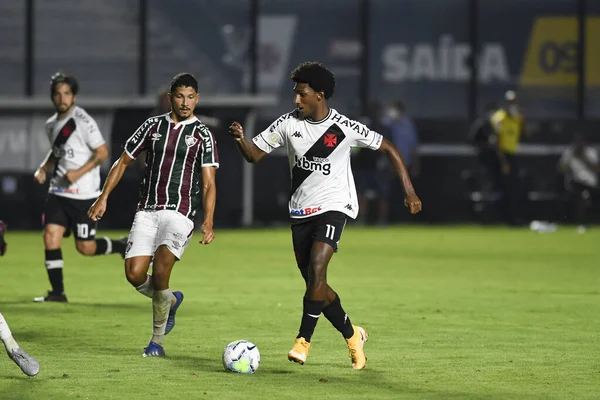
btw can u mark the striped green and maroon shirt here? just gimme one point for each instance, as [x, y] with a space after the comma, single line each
[175, 156]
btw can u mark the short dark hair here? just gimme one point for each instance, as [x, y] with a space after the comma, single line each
[184, 79]
[61, 77]
[319, 78]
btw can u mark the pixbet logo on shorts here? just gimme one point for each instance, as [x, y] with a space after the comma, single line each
[305, 211]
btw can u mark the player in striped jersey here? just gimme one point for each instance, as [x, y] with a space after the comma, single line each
[318, 141]
[181, 163]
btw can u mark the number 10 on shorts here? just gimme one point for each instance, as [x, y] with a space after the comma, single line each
[82, 231]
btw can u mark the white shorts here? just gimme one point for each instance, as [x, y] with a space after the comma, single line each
[152, 229]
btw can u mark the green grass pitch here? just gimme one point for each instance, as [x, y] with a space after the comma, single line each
[452, 313]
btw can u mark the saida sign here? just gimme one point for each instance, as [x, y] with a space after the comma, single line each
[551, 57]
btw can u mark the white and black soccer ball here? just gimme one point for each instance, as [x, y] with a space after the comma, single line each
[241, 356]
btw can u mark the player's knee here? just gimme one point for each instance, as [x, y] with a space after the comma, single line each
[134, 272]
[86, 248]
[160, 275]
[318, 274]
[52, 238]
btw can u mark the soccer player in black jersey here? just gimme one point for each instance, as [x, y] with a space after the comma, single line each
[181, 163]
[318, 141]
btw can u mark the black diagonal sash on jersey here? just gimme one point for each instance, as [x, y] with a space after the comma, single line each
[65, 133]
[322, 148]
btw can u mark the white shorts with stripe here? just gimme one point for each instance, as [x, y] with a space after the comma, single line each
[152, 229]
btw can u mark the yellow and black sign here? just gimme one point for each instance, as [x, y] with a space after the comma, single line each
[551, 58]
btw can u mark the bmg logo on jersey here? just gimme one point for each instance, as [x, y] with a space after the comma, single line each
[305, 211]
[317, 164]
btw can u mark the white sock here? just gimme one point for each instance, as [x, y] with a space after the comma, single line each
[161, 303]
[6, 336]
[146, 288]
[108, 245]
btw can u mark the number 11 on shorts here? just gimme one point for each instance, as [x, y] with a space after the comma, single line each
[330, 233]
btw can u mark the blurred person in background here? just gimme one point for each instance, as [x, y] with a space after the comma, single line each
[29, 365]
[580, 166]
[483, 137]
[78, 149]
[371, 170]
[404, 136]
[509, 125]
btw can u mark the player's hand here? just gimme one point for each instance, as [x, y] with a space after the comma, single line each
[97, 210]
[413, 203]
[72, 176]
[207, 233]
[236, 131]
[40, 176]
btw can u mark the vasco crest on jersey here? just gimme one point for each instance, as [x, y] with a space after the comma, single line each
[330, 140]
[190, 140]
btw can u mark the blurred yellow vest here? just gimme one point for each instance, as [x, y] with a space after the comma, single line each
[509, 130]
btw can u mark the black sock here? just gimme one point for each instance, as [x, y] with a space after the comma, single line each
[118, 246]
[310, 317]
[338, 318]
[54, 266]
[108, 246]
[102, 246]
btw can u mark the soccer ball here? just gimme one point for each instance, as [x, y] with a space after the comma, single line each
[241, 356]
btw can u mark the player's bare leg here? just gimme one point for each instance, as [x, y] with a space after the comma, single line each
[101, 246]
[314, 300]
[136, 272]
[53, 235]
[320, 297]
[156, 286]
[27, 363]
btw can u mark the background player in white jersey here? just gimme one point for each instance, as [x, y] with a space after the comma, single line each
[78, 149]
[318, 141]
[181, 163]
[28, 364]
[581, 166]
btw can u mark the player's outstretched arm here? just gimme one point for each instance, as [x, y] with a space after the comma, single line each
[412, 201]
[249, 150]
[209, 200]
[40, 173]
[98, 209]
[101, 153]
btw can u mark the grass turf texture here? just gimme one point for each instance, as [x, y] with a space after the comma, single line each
[452, 313]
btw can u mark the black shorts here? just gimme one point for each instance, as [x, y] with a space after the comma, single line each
[72, 214]
[583, 190]
[326, 227]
